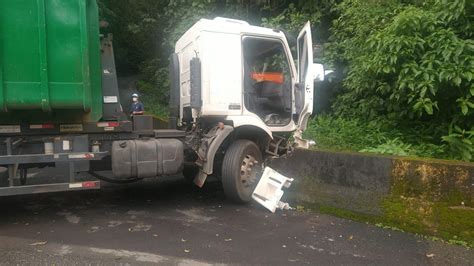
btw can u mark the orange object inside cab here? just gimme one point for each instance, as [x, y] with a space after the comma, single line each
[276, 77]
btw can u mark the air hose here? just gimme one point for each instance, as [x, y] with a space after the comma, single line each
[114, 181]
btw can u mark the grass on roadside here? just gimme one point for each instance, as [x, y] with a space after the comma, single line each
[153, 99]
[380, 136]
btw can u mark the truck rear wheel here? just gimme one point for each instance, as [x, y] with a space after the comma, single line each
[241, 170]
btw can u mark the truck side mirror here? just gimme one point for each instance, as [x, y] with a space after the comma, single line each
[175, 93]
[327, 72]
[318, 72]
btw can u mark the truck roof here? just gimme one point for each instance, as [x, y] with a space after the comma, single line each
[225, 25]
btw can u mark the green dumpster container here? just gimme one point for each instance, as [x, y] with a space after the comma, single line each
[50, 68]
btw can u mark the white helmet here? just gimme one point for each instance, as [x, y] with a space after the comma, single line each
[135, 95]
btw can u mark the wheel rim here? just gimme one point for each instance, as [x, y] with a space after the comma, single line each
[248, 171]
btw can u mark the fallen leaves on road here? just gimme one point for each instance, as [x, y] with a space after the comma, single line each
[431, 255]
[39, 243]
[140, 228]
[187, 250]
[93, 229]
[300, 208]
[228, 239]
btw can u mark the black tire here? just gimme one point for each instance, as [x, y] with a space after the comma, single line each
[238, 187]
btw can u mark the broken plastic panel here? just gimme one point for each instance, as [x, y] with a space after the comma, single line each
[269, 189]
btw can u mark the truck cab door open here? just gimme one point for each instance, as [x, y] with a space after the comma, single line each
[303, 90]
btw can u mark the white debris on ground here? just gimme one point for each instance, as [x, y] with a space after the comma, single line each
[284, 206]
[269, 190]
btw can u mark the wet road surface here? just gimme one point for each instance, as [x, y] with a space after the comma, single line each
[172, 222]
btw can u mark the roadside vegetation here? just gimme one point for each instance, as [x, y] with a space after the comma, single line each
[403, 82]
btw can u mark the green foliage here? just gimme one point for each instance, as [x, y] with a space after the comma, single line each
[404, 68]
[355, 21]
[460, 142]
[386, 137]
[407, 61]
[136, 29]
[392, 146]
[152, 99]
[346, 134]
[297, 13]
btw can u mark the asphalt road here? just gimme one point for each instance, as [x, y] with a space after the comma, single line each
[171, 222]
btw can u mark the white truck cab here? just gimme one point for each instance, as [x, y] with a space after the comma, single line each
[247, 74]
[235, 88]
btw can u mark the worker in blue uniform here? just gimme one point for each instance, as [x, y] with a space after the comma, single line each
[137, 107]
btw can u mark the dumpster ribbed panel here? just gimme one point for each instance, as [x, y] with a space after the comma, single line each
[43, 57]
[50, 60]
[85, 58]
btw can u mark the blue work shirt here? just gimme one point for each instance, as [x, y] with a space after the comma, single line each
[137, 107]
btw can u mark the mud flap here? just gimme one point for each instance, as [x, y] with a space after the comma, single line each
[200, 179]
[208, 150]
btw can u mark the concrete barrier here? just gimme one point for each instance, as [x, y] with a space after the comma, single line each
[425, 196]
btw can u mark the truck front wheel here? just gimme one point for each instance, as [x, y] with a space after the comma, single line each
[241, 170]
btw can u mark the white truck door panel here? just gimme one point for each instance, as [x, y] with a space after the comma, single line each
[304, 89]
[222, 78]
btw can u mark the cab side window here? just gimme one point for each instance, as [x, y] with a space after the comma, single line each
[267, 80]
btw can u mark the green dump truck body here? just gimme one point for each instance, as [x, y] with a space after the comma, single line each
[50, 69]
